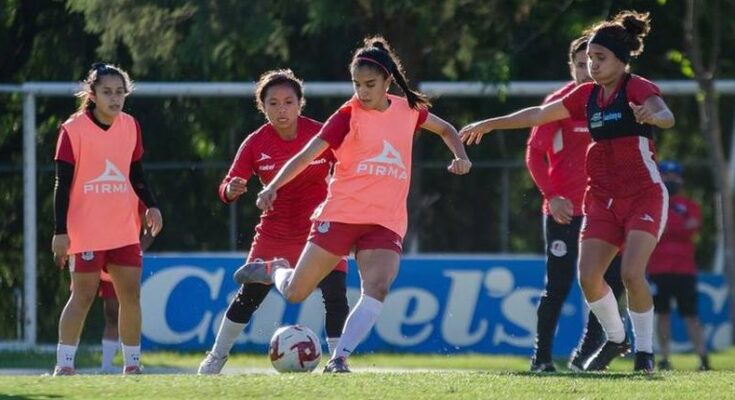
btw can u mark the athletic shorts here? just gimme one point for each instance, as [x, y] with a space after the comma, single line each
[94, 261]
[106, 290]
[681, 287]
[264, 248]
[611, 219]
[340, 238]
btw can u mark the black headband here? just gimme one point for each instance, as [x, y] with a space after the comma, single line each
[619, 49]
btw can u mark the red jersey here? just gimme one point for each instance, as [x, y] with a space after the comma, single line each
[674, 253]
[625, 164]
[263, 153]
[563, 144]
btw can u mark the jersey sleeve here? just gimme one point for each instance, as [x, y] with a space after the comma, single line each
[64, 151]
[423, 116]
[337, 127]
[138, 151]
[539, 170]
[242, 167]
[576, 101]
[639, 89]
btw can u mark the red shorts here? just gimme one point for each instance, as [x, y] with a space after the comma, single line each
[610, 219]
[106, 290]
[340, 238]
[94, 261]
[264, 249]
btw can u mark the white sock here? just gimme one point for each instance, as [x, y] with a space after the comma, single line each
[131, 354]
[281, 278]
[109, 349]
[606, 311]
[226, 336]
[332, 344]
[642, 330]
[65, 355]
[358, 324]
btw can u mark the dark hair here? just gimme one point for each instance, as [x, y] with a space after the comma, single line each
[94, 75]
[623, 35]
[377, 54]
[278, 77]
[577, 45]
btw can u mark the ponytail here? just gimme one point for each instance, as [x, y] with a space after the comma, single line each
[377, 54]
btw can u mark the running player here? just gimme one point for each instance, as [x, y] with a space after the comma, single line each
[625, 203]
[99, 182]
[554, 154]
[365, 210]
[283, 230]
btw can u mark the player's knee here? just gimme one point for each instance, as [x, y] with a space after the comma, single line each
[376, 290]
[83, 298]
[632, 279]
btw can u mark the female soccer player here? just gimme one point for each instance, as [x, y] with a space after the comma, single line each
[625, 202]
[283, 230]
[371, 137]
[99, 182]
[554, 154]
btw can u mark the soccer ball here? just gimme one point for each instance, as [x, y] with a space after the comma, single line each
[295, 348]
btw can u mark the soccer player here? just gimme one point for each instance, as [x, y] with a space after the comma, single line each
[626, 202]
[672, 270]
[99, 182]
[283, 230]
[555, 153]
[372, 137]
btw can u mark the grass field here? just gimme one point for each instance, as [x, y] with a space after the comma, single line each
[169, 375]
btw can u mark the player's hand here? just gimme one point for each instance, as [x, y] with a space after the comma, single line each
[60, 247]
[266, 197]
[460, 166]
[561, 209]
[236, 188]
[642, 114]
[154, 221]
[473, 133]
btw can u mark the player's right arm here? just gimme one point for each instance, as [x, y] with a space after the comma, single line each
[235, 182]
[62, 188]
[290, 170]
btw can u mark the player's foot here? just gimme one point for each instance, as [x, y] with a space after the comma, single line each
[576, 363]
[704, 364]
[644, 362]
[602, 357]
[664, 365]
[64, 371]
[259, 271]
[212, 364]
[542, 367]
[133, 370]
[337, 366]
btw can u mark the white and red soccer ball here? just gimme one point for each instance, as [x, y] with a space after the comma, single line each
[295, 348]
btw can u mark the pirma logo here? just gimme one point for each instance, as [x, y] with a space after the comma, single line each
[111, 181]
[387, 163]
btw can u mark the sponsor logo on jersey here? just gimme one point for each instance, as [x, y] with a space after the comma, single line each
[318, 161]
[387, 163]
[647, 218]
[269, 167]
[264, 157]
[323, 227]
[110, 181]
[88, 256]
[558, 248]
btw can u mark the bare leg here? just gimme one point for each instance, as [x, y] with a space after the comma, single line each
[83, 292]
[663, 329]
[126, 280]
[314, 264]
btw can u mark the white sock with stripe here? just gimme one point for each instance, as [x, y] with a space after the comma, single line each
[606, 311]
[642, 330]
[358, 325]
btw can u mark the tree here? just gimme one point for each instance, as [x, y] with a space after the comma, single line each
[705, 67]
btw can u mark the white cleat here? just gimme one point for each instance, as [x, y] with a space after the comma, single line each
[211, 365]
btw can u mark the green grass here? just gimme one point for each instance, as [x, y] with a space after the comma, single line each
[378, 377]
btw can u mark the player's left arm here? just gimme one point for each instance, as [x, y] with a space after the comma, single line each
[461, 163]
[654, 111]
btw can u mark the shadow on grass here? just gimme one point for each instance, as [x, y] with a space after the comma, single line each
[590, 375]
[29, 396]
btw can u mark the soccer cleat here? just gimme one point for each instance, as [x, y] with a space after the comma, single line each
[542, 367]
[259, 271]
[64, 371]
[211, 365]
[664, 365]
[133, 370]
[576, 363]
[337, 366]
[644, 362]
[602, 357]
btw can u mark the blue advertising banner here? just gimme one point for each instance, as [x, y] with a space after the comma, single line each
[438, 304]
